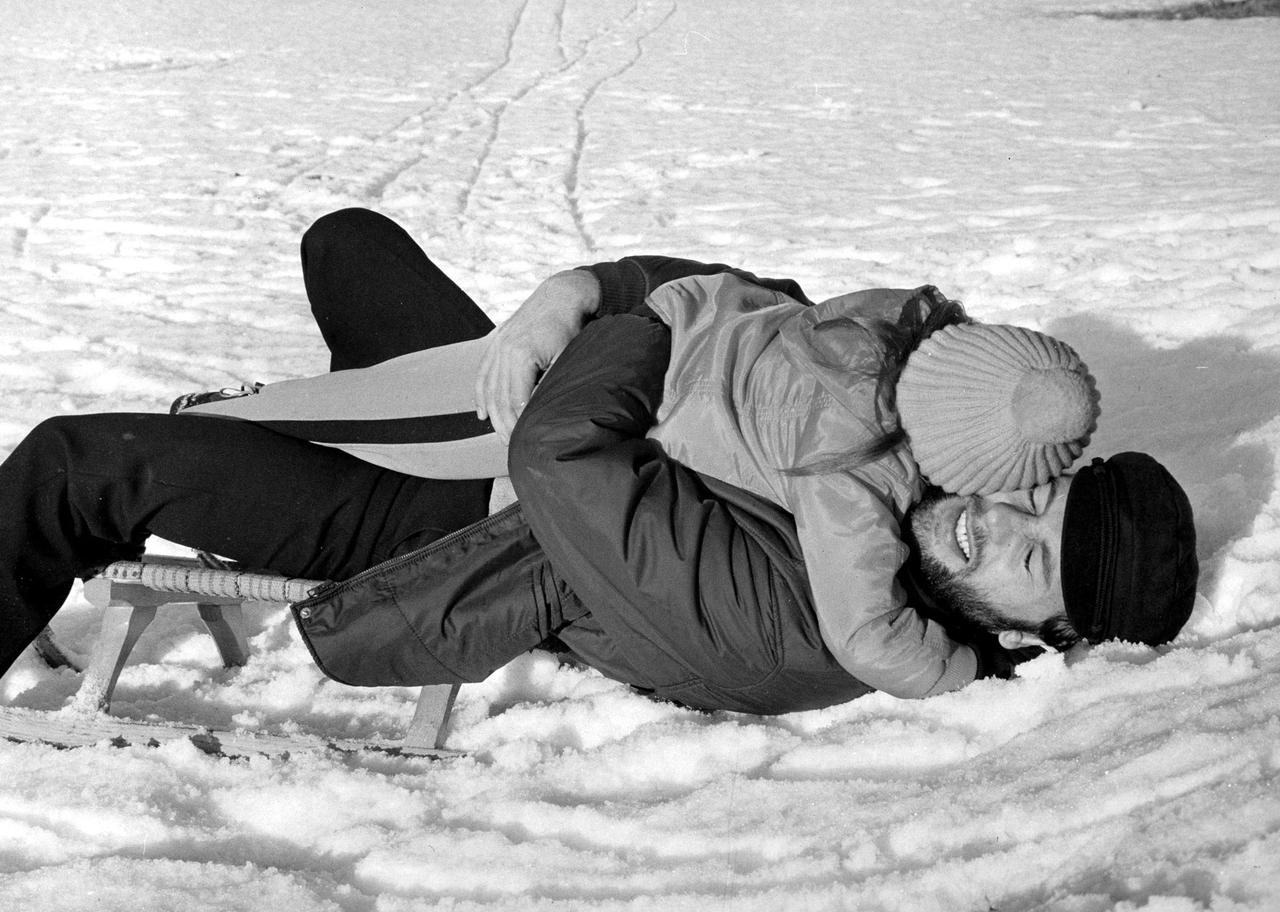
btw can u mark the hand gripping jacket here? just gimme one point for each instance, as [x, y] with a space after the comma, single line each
[682, 586]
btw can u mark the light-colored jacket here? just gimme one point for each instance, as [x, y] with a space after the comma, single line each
[754, 390]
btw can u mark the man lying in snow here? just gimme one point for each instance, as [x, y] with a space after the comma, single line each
[674, 582]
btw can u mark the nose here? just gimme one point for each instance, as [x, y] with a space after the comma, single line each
[1002, 521]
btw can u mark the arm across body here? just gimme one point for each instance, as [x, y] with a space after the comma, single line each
[853, 552]
[681, 579]
[525, 345]
[624, 284]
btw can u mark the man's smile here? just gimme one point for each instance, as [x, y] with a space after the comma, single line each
[962, 533]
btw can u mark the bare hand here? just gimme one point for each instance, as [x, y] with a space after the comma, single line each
[523, 347]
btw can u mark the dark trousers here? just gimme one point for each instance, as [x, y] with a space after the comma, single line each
[84, 490]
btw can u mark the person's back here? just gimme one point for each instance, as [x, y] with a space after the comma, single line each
[787, 401]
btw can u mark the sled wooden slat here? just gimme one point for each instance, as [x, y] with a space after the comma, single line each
[130, 593]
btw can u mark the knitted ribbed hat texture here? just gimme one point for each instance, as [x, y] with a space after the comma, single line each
[995, 408]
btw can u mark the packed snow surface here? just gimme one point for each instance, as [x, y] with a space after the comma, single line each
[1111, 181]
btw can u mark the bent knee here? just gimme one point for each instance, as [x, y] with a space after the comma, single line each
[58, 428]
[341, 225]
[47, 444]
[87, 433]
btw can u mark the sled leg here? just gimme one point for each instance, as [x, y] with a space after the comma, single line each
[430, 726]
[125, 615]
[226, 625]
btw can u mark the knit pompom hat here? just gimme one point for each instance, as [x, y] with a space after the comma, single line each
[995, 408]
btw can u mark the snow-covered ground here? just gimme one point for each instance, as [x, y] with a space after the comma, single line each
[1114, 182]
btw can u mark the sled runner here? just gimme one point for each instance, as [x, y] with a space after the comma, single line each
[129, 594]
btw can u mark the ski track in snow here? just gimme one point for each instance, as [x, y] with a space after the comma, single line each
[1109, 181]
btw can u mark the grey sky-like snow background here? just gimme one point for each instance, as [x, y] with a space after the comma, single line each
[1111, 181]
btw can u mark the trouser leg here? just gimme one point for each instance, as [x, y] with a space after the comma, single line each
[80, 491]
[376, 295]
[84, 490]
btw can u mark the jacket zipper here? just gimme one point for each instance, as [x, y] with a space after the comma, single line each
[331, 587]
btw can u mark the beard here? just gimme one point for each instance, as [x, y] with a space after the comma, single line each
[959, 602]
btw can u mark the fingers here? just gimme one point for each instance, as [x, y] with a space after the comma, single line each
[504, 383]
[511, 394]
[479, 394]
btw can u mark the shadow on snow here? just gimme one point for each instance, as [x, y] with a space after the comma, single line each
[1192, 407]
[1208, 9]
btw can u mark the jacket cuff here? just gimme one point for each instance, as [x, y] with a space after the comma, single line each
[961, 671]
[623, 286]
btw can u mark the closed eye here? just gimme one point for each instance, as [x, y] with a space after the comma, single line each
[1037, 552]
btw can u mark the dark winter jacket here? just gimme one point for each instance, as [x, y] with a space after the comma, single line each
[682, 586]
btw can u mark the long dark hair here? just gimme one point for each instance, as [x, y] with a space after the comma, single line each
[924, 313]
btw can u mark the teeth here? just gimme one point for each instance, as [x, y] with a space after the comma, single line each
[962, 534]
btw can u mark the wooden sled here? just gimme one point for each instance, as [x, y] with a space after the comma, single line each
[129, 594]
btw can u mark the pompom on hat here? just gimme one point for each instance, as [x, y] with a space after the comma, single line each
[995, 408]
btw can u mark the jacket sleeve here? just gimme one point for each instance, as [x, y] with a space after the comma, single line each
[625, 283]
[655, 556]
[854, 550]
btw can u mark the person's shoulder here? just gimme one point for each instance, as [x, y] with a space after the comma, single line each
[715, 297]
[865, 304]
[730, 285]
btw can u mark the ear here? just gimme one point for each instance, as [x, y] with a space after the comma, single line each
[1017, 639]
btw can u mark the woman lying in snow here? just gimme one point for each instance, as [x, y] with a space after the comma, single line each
[790, 401]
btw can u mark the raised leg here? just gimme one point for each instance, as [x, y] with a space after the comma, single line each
[82, 491]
